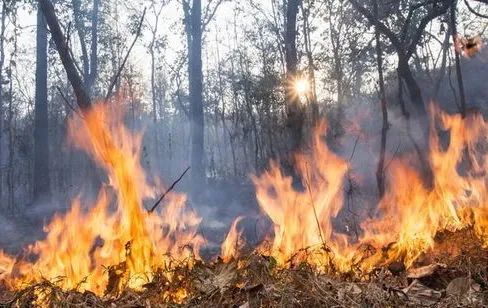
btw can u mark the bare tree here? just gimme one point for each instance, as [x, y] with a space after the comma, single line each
[380, 178]
[2, 61]
[195, 24]
[459, 72]
[41, 133]
[306, 10]
[294, 109]
[89, 59]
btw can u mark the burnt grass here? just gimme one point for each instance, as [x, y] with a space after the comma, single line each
[256, 281]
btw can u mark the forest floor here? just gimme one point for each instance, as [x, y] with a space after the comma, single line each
[453, 274]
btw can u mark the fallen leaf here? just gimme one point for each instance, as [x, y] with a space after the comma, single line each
[422, 295]
[461, 286]
[424, 271]
[349, 289]
[221, 279]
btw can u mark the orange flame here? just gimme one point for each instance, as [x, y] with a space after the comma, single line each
[233, 242]
[303, 218]
[79, 244]
[410, 215]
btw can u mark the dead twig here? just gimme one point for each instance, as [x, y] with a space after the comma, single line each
[307, 182]
[168, 190]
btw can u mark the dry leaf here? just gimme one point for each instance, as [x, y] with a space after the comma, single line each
[349, 289]
[422, 295]
[461, 286]
[220, 279]
[424, 271]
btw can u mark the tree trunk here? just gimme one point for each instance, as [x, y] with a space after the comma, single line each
[41, 133]
[311, 65]
[154, 95]
[294, 110]
[413, 88]
[193, 22]
[380, 171]
[442, 70]
[82, 97]
[2, 61]
[94, 48]
[80, 29]
[459, 72]
[11, 146]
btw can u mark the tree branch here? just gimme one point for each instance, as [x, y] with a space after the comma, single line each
[210, 13]
[436, 12]
[472, 10]
[117, 75]
[168, 190]
[381, 26]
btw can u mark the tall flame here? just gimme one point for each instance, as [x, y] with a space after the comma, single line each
[410, 214]
[233, 242]
[302, 218]
[117, 232]
[80, 244]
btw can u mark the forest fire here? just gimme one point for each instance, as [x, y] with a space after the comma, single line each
[409, 216]
[115, 243]
[321, 176]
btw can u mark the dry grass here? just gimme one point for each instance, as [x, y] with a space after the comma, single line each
[255, 281]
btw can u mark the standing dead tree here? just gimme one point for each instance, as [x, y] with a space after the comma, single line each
[41, 187]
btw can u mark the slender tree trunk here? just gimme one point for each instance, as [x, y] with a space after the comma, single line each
[222, 101]
[459, 72]
[11, 146]
[2, 61]
[311, 65]
[41, 133]
[294, 109]
[80, 29]
[442, 70]
[93, 49]
[380, 177]
[154, 95]
[195, 75]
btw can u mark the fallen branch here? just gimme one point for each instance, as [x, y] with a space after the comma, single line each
[168, 190]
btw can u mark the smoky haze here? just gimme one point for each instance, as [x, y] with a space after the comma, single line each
[244, 108]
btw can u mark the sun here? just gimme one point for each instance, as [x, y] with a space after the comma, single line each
[302, 86]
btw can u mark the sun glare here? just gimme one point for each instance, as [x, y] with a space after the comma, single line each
[302, 86]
